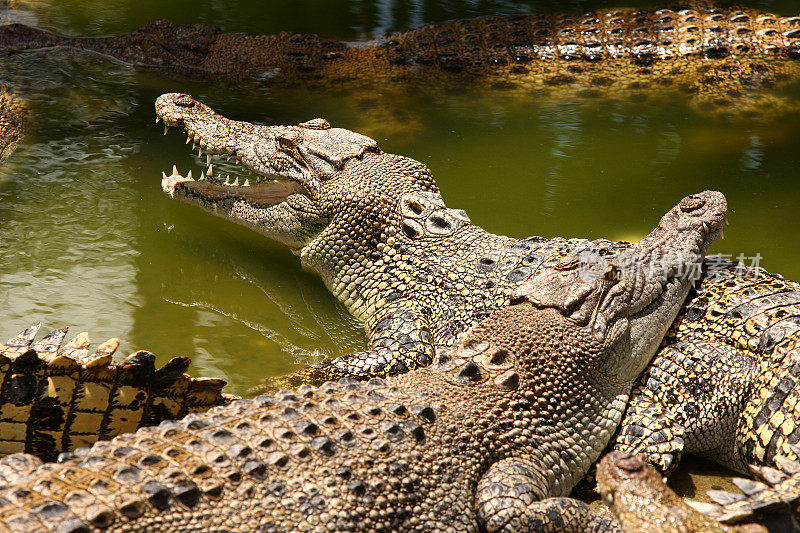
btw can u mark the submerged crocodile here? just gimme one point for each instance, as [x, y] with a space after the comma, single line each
[492, 435]
[719, 57]
[56, 397]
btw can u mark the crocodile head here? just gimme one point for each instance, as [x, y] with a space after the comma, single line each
[308, 180]
[627, 302]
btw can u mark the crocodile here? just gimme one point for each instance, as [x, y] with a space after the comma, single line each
[56, 397]
[725, 383]
[642, 502]
[721, 58]
[493, 435]
[417, 273]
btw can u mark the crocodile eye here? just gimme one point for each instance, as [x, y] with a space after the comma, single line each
[285, 143]
[288, 140]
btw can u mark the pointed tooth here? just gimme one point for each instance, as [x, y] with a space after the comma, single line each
[236, 182]
[210, 170]
[174, 170]
[194, 145]
[246, 183]
[163, 175]
[202, 176]
[208, 159]
[189, 175]
[199, 152]
[165, 129]
[157, 119]
[226, 180]
[188, 139]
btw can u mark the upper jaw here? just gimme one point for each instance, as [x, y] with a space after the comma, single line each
[273, 175]
[306, 153]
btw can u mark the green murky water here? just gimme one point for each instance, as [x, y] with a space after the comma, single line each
[90, 241]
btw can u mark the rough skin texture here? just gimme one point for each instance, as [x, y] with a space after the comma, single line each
[418, 274]
[491, 436]
[642, 502]
[725, 383]
[56, 397]
[13, 117]
[720, 57]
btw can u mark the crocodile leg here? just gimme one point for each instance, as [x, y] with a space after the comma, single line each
[679, 406]
[400, 340]
[512, 496]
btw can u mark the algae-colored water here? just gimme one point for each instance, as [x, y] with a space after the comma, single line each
[90, 241]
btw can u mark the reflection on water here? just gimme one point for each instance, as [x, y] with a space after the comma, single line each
[89, 240]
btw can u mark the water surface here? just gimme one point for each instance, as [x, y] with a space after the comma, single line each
[90, 241]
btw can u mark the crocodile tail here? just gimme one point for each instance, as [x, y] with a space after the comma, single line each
[56, 396]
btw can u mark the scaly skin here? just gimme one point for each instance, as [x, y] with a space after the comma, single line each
[491, 436]
[372, 224]
[13, 116]
[56, 398]
[643, 503]
[719, 57]
[725, 383]
[376, 229]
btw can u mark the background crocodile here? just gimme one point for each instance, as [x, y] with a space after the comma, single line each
[56, 397]
[419, 451]
[718, 56]
[13, 117]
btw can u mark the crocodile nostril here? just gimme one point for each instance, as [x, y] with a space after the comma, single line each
[184, 100]
[692, 203]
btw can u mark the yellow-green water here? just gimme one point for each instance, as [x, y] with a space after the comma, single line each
[89, 240]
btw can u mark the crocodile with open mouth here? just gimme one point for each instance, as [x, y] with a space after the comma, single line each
[418, 273]
[491, 436]
[722, 58]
